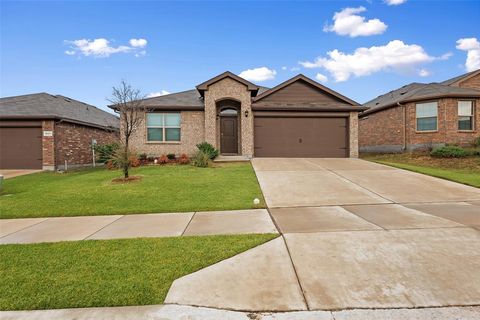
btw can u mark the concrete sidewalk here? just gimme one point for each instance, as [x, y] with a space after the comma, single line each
[135, 226]
[175, 312]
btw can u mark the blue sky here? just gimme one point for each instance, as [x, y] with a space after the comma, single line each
[190, 42]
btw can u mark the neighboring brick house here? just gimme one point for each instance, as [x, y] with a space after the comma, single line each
[421, 116]
[43, 131]
[297, 118]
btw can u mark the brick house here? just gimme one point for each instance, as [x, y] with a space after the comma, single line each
[419, 116]
[297, 118]
[43, 131]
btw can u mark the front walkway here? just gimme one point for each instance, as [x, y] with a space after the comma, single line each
[135, 226]
[16, 173]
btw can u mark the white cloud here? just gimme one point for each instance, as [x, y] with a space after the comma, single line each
[258, 74]
[394, 2]
[348, 23]
[320, 77]
[472, 46]
[423, 73]
[157, 94]
[284, 68]
[395, 55]
[101, 47]
[138, 43]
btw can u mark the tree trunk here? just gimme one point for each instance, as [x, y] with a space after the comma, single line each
[126, 163]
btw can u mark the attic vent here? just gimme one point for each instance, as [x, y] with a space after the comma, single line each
[68, 100]
[377, 103]
[402, 93]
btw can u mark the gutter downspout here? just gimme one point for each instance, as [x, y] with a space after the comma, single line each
[404, 147]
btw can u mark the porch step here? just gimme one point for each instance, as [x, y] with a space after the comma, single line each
[221, 158]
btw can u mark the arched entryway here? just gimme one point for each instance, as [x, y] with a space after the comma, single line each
[229, 130]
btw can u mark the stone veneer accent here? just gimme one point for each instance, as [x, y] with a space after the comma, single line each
[192, 132]
[353, 134]
[228, 88]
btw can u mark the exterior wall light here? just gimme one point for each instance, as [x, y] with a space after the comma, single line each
[246, 113]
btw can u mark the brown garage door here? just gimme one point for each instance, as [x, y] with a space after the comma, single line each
[301, 137]
[20, 148]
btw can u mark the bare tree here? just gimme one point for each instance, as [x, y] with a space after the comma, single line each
[127, 102]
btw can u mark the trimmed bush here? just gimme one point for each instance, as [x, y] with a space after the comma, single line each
[449, 152]
[163, 159]
[106, 152]
[201, 159]
[184, 159]
[208, 149]
[171, 156]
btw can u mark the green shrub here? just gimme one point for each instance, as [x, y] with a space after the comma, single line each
[476, 142]
[106, 152]
[200, 159]
[450, 152]
[171, 156]
[208, 149]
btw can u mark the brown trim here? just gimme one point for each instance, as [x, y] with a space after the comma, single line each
[20, 124]
[51, 117]
[309, 81]
[227, 74]
[301, 114]
[310, 108]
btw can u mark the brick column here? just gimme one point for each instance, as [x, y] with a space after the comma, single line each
[48, 145]
[353, 130]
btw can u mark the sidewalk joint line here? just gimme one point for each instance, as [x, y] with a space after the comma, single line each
[37, 223]
[188, 224]
[295, 271]
[103, 227]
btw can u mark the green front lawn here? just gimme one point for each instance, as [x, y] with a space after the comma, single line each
[172, 188]
[99, 273]
[463, 170]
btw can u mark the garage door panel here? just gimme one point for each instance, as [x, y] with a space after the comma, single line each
[301, 137]
[20, 148]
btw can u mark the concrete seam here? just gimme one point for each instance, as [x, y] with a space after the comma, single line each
[103, 227]
[296, 273]
[364, 218]
[24, 228]
[188, 224]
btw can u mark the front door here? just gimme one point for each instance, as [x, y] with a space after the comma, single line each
[228, 135]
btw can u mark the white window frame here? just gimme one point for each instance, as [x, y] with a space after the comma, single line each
[416, 117]
[472, 116]
[163, 127]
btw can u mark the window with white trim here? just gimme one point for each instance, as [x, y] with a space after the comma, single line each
[465, 115]
[163, 127]
[427, 116]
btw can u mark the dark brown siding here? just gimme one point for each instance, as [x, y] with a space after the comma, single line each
[300, 91]
[301, 137]
[21, 148]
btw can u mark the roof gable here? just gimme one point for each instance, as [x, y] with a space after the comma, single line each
[202, 87]
[457, 80]
[304, 89]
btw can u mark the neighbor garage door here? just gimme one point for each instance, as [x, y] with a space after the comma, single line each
[20, 148]
[301, 137]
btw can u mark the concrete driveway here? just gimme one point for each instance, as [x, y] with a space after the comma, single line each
[355, 234]
[320, 182]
